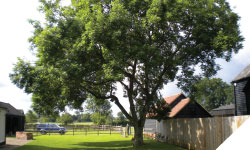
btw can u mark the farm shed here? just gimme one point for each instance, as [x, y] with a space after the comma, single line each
[2, 125]
[14, 119]
[242, 92]
[226, 110]
[181, 107]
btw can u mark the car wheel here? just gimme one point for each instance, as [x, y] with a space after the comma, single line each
[62, 132]
[43, 132]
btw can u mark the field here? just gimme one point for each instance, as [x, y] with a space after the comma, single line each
[91, 142]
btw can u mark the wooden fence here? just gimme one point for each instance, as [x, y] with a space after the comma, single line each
[78, 130]
[198, 133]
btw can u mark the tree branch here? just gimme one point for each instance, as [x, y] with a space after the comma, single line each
[125, 86]
[117, 102]
[112, 98]
[130, 91]
[159, 79]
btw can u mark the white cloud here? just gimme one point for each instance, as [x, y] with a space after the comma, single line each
[15, 31]
[170, 89]
[16, 97]
[243, 57]
[2, 84]
[241, 7]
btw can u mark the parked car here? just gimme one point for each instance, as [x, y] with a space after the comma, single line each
[52, 128]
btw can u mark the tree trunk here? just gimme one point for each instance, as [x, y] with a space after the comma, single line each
[138, 137]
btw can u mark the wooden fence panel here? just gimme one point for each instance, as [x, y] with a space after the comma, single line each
[199, 133]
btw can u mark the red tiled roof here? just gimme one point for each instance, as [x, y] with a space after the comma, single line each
[177, 108]
[172, 98]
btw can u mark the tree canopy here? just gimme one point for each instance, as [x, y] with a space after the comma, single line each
[212, 93]
[91, 46]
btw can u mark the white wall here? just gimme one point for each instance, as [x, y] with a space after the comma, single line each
[150, 126]
[2, 125]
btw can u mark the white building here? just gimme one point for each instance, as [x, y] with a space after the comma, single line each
[2, 125]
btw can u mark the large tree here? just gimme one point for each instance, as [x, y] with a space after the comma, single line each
[91, 46]
[212, 93]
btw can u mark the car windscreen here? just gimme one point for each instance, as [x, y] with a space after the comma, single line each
[53, 126]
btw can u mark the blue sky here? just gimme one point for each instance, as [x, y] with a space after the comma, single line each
[15, 31]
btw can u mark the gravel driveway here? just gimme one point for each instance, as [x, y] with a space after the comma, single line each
[12, 143]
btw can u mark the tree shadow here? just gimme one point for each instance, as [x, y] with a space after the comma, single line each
[121, 145]
[7, 147]
[111, 145]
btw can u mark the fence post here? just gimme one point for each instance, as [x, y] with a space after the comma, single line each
[110, 129]
[73, 131]
[98, 129]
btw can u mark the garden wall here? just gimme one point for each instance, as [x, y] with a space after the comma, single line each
[198, 133]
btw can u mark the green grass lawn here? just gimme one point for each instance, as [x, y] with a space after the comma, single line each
[91, 142]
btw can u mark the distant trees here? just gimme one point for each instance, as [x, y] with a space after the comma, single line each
[211, 93]
[98, 118]
[31, 117]
[76, 117]
[86, 117]
[43, 119]
[65, 119]
[121, 119]
[100, 110]
[94, 105]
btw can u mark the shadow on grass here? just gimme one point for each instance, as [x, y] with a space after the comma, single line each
[119, 145]
[113, 145]
[7, 147]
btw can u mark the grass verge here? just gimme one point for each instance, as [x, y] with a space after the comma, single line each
[91, 142]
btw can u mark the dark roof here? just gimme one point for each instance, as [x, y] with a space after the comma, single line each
[181, 104]
[223, 110]
[11, 110]
[243, 74]
[2, 107]
[231, 106]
